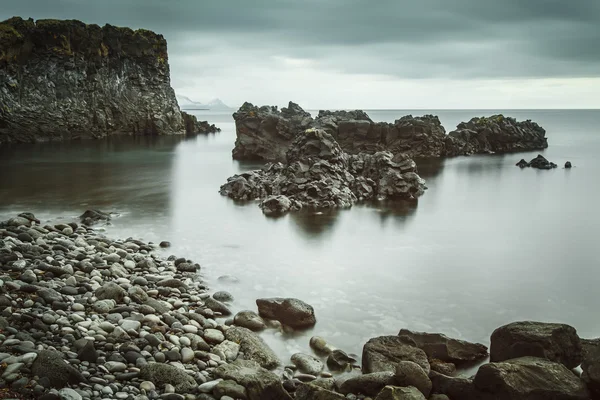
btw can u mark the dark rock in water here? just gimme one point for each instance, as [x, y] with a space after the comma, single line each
[541, 163]
[495, 134]
[68, 80]
[400, 393]
[217, 306]
[161, 374]
[165, 244]
[529, 378]
[318, 174]
[253, 347]
[291, 312]
[384, 353]
[409, 373]
[338, 360]
[441, 347]
[249, 319]
[91, 217]
[195, 127]
[568, 164]
[265, 133]
[522, 164]
[555, 342]
[50, 364]
[260, 383]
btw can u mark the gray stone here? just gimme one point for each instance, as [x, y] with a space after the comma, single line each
[50, 364]
[253, 347]
[249, 319]
[291, 312]
[307, 364]
[69, 394]
[260, 383]
[440, 347]
[384, 353]
[369, 384]
[162, 374]
[400, 393]
[409, 373]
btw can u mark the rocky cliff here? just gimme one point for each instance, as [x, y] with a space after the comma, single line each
[68, 80]
[266, 133]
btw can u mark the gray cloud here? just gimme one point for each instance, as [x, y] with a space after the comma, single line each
[426, 39]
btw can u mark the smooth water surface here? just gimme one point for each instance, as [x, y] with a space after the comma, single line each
[487, 244]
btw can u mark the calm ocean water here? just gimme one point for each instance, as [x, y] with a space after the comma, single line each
[487, 244]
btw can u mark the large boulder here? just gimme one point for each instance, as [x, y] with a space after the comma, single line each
[260, 383]
[555, 342]
[291, 312]
[307, 364]
[249, 319]
[441, 347]
[529, 378]
[591, 364]
[51, 365]
[162, 374]
[410, 374]
[384, 353]
[253, 346]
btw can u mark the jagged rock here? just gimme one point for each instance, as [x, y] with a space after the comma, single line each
[529, 378]
[441, 347]
[51, 365]
[91, 217]
[69, 80]
[260, 383]
[318, 174]
[265, 133]
[541, 163]
[253, 347]
[193, 127]
[555, 342]
[495, 134]
[369, 384]
[522, 164]
[384, 353]
[217, 306]
[591, 364]
[162, 374]
[291, 312]
[338, 360]
[309, 391]
[400, 393]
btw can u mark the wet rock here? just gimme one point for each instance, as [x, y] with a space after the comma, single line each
[410, 374]
[320, 345]
[253, 347]
[50, 364]
[307, 364]
[276, 205]
[291, 312]
[249, 319]
[591, 365]
[440, 347]
[229, 388]
[162, 374]
[338, 360]
[555, 342]
[223, 296]
[260, 383]
[568, 164]
[217, 306]
[400, 393]
[369, 384]
[164, 244]
[529, 378]
[522, 164]
[384, 353]
[92, 217]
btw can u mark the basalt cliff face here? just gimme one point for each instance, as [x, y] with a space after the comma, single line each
[68, 80]
[266, 133]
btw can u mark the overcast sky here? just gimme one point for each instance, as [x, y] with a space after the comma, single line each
[365, 53]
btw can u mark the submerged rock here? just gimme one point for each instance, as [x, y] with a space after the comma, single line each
[92, 217]
[539, 162]
[291, 312]
[555, 342]
[568, 164]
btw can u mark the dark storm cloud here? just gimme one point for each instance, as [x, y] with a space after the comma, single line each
[407, 39]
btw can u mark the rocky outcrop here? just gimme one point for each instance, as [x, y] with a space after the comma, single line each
[265, 133]
[555, 342]
[539, 162]
[67, 80]
[385, 353]
[291, 312]
[319, 174]
[194, 127]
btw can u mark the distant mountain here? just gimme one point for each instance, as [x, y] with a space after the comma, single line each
[186, 103]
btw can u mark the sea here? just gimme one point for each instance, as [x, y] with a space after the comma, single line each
[487, 244]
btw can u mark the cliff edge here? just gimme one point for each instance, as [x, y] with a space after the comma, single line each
[64, 79]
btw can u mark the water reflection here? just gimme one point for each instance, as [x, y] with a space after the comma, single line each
[311, 224]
